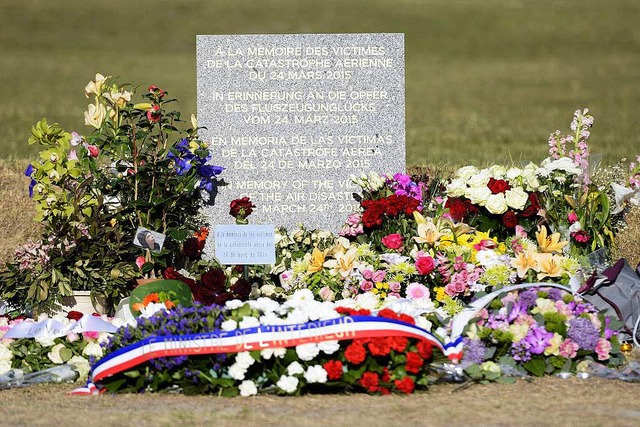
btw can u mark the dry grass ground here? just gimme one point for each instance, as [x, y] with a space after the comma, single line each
[543, 402]
[16, 210]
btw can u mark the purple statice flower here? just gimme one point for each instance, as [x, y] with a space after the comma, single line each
[528, 298]
[473, 351]
[584, 333]
[521, 351]
[538, 339]
[554, 294]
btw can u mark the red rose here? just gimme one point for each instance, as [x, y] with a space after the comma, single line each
[414, 362]
[154, 114]
[334, 369]
[405, 385]
[533, 207]
[425, 265]
[509, 219]
[74, 315]
[425, 349]
[498, 185]
[355, 353]
[241, 208]
[93, 151]
[370, 381]
[214, 280]
[457, 208]
[393, 241]
[241, 289]
[191, 248]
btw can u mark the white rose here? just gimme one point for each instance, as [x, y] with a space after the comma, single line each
[248, 388]
[467, 172]
[45, 341]
[315, 374]
[496, 204]
[513, 174]
[456, 188]
[54, 354]
[329, 347]
[295, 368]
[307, 351]
[478, 195]
[5, 353]
[237, 372]
[479, 180]
[244, 359]
[498, 171]
[288, 384]
[249, 322]
[81, 366]
[5, 366]
[516, 198]
[93, 349]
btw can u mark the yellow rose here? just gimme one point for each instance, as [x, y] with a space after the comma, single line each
[95, 115]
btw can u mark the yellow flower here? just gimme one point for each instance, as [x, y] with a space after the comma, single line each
[553, 348]
[118, 99]
[95, 115]
[428, 233]
[317, 261]
[419, 218]
[343, 262]
[95, 86]
[549, 244]
[549, 265]
[523, 262]
[440, 294]
[113, 222]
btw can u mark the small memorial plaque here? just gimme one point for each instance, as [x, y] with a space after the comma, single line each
[245, 244]
[292, 117]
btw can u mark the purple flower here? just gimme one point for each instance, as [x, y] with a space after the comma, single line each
[554, 294]
[528, 298]
[29, 172]
[473, 351]
[538, 339]
[584, 333]
[521, 351]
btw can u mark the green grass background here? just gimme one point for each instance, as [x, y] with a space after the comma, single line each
[486, 80]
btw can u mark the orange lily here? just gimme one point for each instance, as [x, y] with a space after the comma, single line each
[549, 244]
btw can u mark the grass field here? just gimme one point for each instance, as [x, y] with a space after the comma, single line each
[485, 80]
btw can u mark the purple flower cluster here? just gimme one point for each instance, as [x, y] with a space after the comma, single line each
[403, 185]
[521, 351]
[473, 351]
[185, 160]
[584, 333]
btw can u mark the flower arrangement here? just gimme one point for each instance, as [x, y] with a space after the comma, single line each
[543, 331]
[378, 365]
[139, 167]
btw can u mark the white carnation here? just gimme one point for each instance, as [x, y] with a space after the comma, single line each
[496, 204]
[368, 300]
[478, 195]
[244, 359]
[233, 304]
[265, 305]
[5, 353]
[229, 325]
[516, 198]
[295, 368]
[329, 347]
[248, 388]
[249, 322]
[5, 366]
[267, 353]
[237, 371]
[315, 374]
[288, 384]
[307, 351]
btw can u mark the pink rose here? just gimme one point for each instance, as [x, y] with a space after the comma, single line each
[572, 217]
[140, 262]
[367, 273]
[90, 335]
[603, 348]
[327, 294]
[425, 265]
[393, 241]
[417, 291]
[394, 294]
[394, 286]
[379, 276]
[366, 285]
[93, 150]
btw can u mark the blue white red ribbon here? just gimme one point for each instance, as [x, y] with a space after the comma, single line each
[261, 338]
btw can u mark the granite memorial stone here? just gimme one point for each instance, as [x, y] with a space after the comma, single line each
[292, 117]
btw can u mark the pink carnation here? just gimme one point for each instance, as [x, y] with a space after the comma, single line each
[568, 349]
